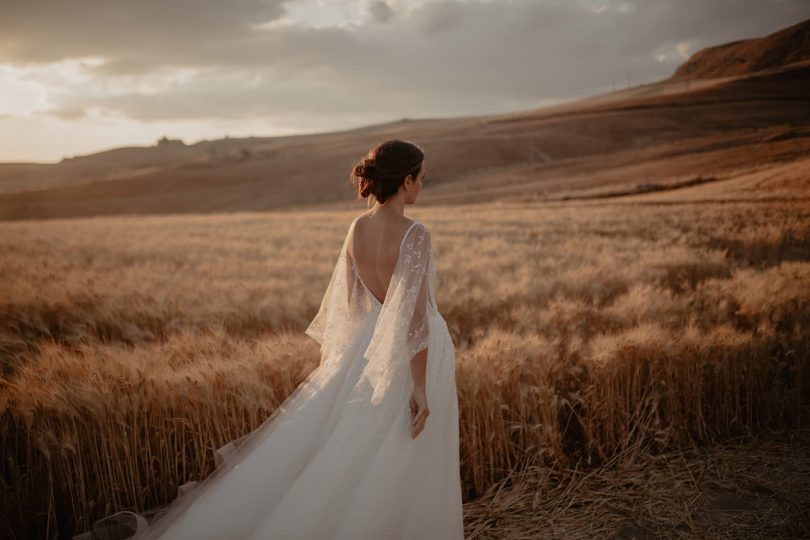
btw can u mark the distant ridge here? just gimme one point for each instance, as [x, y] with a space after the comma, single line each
[707, 123]
[747, 56]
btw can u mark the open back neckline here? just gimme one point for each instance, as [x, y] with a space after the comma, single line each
[396, 265]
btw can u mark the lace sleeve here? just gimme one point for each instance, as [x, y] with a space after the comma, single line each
[402, 327]
[331, 326]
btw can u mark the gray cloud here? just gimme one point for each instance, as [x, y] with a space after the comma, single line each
[53, 30]
[380, 11]
[436, 59]
[441, 16]
[220, 94]
[67, 112]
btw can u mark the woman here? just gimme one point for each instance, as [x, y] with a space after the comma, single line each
[367, 446]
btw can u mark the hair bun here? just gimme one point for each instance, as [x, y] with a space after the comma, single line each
[368, 174]
[366, 169]
[384, 168]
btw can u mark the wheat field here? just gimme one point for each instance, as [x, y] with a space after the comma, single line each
[133, 346]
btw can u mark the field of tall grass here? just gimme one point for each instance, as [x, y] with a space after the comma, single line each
[132, 347]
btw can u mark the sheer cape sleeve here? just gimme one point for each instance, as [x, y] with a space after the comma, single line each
[340, 307]
[401, 329]
[402, 326]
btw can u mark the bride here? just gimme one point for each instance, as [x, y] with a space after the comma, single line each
[367, 446]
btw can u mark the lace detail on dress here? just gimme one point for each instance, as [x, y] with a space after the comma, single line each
[402, 327]
[345, 305]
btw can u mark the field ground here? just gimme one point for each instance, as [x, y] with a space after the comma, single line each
[756, 487]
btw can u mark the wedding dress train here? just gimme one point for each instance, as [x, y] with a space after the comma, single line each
[336, 460]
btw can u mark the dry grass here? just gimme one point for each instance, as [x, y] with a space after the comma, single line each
[749, 488]
[587, 335]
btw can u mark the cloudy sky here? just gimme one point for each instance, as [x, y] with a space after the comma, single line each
[77, 76]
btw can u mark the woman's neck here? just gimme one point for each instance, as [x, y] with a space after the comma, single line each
[392, 207]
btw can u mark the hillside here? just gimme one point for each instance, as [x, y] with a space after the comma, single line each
[652, 136]
[748, 56]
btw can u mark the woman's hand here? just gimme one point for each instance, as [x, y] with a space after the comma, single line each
[419, 410]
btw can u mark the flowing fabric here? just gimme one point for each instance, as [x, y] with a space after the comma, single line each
[336, 459]
[402, 328]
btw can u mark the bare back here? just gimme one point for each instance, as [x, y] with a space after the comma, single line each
[374, 248]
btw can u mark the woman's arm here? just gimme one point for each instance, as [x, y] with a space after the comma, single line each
[419, 368]
[418, 401]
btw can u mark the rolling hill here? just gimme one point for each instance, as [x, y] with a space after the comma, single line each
[713, 119]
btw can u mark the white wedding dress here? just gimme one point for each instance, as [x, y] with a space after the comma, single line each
[336, 460]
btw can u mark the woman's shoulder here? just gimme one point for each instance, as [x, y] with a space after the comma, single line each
[416, 228]
[405, 224]
[417, 236]
[415, 223]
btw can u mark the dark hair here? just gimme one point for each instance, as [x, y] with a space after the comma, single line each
[385, 167]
